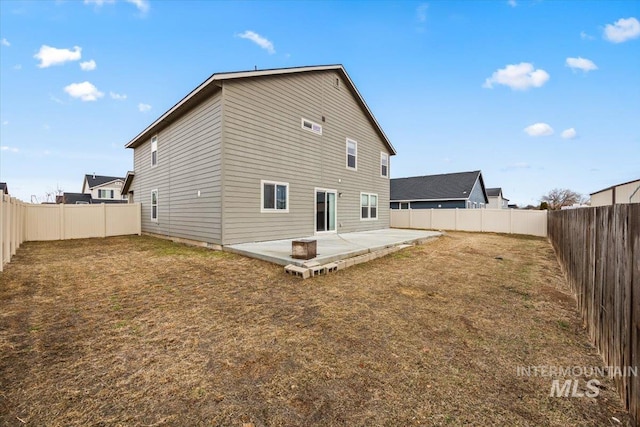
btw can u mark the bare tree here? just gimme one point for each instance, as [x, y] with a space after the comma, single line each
[559, 197]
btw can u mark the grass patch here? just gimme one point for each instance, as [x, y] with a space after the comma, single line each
[143, 331]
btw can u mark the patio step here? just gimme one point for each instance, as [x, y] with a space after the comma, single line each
[313, 268]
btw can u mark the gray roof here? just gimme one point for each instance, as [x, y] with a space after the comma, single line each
[73, 198]
[208, 86]
[3, 188]
[447, 186]
[95, 180]
[494, 192]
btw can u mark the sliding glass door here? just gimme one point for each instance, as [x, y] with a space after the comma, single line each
[325, 210]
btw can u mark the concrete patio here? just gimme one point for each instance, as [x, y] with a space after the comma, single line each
[333, 247]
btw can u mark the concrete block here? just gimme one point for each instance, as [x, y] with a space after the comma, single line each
[318, 270]
[295, 270]
[310, 264]
[331, 267]
[349, 262]
[342, 264]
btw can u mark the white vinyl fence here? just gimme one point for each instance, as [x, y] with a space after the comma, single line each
[20, 222]
[512, 221]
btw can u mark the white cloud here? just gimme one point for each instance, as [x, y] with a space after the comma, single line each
[144, 107]
[49, 56]
[421, 12]
[88, 65]
[622, 30]
[581, 64]
[259, 40]
[142, 5]
[585, 36]
[512, 3]
[118, 96]
[518, 77]
[85, 91]
[5, 42]
[539, 129]
[569, 133]
[7, 148]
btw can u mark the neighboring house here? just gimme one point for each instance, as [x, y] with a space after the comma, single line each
[627, 192]
[263, 155]
[3, 188]
[74, 199]
[463, 190]
[104, 189]
[96, 189]
[496, 199]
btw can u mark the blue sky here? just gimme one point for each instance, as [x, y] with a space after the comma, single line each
[536, 94]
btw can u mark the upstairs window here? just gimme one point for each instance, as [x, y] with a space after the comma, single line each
[105, 194]
[352, 154]
[311, 126]
[154, 205]
[384, 165]
[154, 150]
[368, 206]
[275, 196]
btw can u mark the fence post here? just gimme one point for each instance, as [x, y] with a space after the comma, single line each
[104, 219]
[410, 217]
[511, 221]
[139, 218]
[2, 219]
[482, 219]
[14, 222]
[455, 221]
[7, 228]
[61, 234]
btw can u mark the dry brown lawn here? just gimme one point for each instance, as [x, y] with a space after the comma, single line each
[142, 331]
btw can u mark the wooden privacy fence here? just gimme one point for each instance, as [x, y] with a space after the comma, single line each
[20, 222]
[510, 221]
[599, 249]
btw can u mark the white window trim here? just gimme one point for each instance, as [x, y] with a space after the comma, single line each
[384, 156]
[347, 154]
[315, 127]
[157, 206]
[369, 207]
[274, 210]
[315, 210]
[154, 147]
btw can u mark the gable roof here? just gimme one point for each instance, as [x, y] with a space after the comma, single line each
[617, 185]
[494, 192]
[447, 186]
[3, 188]
[97, 180]
[211, 84]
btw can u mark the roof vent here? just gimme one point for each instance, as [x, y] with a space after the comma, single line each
[94, 175]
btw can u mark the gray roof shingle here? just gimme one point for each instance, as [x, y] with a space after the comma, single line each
[95, 180]
[493, 192]
[447, 186]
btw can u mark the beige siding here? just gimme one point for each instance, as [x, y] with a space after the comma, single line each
[264, 140]
[189, 161]
[621, 194]
[603, 198]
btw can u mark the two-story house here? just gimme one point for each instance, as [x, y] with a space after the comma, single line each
[497, 199]
[96, 189]
[263, 155]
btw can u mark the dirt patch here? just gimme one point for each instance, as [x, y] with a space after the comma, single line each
[142, 331]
